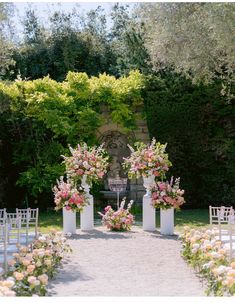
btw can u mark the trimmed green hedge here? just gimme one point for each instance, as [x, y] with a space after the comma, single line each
[199, 126]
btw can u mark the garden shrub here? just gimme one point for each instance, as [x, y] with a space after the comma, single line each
[39, 118]
[199, 126]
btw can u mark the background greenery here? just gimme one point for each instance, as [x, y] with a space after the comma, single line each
[193, 218]
[92, 66]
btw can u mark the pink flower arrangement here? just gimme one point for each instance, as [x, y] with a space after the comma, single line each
[66, 195]
[33, 265]
[166, 195]
[147, 160]
[119, 220]
[89, 161]
[210, 257]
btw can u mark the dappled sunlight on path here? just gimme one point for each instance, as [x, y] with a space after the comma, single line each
[133, 263]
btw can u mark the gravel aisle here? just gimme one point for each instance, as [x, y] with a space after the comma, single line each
[125, 264]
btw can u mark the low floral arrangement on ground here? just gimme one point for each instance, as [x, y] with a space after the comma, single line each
[33, 265]
[68, 196]
[167, 194]
[86, 161]
[211, 259]
[147, 160]
[119, 220]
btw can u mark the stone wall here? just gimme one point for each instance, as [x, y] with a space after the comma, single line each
[115, 140]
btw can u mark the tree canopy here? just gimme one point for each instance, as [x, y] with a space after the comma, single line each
[197, 39]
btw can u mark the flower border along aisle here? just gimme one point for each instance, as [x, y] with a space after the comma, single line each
[85, 166]
[147, 161]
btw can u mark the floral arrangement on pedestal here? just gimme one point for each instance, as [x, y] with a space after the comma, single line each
[67, 195]
[91, 162]
[167, 194]
[147, 160]
[119, 220]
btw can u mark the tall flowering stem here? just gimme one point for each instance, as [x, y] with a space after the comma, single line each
[167, 194]
[146, 160]
[86, 161]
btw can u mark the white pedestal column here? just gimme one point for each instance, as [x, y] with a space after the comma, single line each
[167, 221]
[87, 214]
[149, 218]
[69, 221]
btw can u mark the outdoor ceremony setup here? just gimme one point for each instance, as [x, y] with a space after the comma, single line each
[117, 149]
[19, 231]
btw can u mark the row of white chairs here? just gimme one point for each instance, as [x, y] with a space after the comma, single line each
[16, 228]
[224, 218]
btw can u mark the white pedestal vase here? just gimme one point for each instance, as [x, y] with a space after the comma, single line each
[149, 218]
[87, 214]
[69, 221]
[167, 221]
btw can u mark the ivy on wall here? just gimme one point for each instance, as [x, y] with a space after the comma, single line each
[40, 118]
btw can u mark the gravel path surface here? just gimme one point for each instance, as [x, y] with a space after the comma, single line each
[137, 263]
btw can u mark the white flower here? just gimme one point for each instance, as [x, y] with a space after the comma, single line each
[208, 265]
[220, 270]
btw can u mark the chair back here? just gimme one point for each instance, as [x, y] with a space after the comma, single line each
[29, 217]
[219, 214]
[3, 244]
[232, 235]
[3, 214]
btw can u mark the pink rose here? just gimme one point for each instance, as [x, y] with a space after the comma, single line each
[154, 195]
[79, 200]
[67, 207]
[80, 172]
[64, 194]
[162, 186]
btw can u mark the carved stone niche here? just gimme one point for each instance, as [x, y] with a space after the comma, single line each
[116, 145]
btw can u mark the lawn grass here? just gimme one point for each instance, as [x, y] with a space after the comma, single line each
[194, 218]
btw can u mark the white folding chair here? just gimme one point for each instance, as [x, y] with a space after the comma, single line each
[232, 235]
[214, 213]
[3, 214]
[24, 215]
[224, 218]
[3, 245]
[29, 219]
[14, 228]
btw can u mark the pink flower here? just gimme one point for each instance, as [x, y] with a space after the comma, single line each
[117, 226]
[162, 186]
[64, 194]
[68, 207]
[154, 195]
[100, 174]
[107, 208]
[156, 173]
[80, 172]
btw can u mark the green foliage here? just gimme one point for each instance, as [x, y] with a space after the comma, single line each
[6, 45]
[196, 39]
[198, 126]
[40, 118]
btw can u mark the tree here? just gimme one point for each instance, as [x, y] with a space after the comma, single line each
[6, 46]
[126, 36]
[197, 39]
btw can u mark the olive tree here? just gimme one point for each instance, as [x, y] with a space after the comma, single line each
[197, 39]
